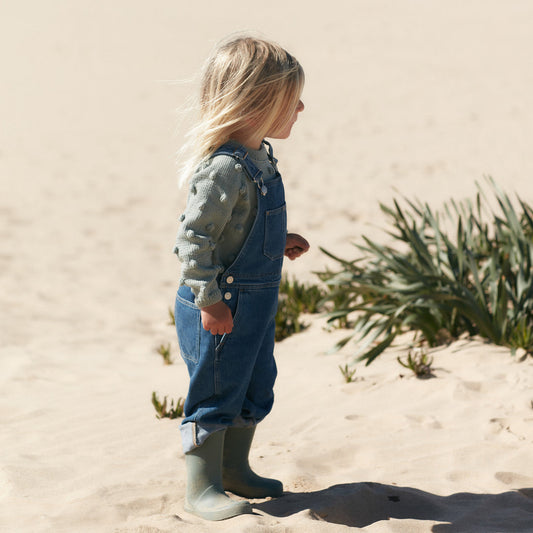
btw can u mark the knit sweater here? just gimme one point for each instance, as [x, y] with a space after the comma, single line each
[221, 208]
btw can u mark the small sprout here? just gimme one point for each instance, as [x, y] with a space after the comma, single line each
[347, 373]
[164, 351]
[171, 317]
[418, 363]
[164, 411]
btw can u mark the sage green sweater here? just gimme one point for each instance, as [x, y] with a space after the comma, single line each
[220, 211]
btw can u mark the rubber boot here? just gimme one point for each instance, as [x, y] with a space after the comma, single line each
[237, 476]
[205, 496]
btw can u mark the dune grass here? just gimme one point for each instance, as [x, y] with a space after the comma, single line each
[465, 269]
[164, 350]
[295, 299]
[418, 362]
[165, 410]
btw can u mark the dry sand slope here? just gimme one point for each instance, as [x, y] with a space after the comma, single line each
[420, 98]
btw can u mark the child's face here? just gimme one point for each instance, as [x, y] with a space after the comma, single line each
[284, 132]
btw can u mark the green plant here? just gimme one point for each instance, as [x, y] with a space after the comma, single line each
[163, 410]
[419, 363]
[305, 297]
[164, 351]
[295, 298]
[171, 317]
[475, 278]
[347, 373]
[337, 300]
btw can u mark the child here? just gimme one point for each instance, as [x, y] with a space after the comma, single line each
[231, 244]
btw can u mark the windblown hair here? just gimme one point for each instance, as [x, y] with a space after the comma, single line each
[247, 82]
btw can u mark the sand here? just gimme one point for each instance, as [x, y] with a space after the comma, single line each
[415, 98]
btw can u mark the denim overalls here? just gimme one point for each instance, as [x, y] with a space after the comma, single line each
[232, 376]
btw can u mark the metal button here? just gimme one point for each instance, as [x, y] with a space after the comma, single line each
[227, 296]
[229, 279]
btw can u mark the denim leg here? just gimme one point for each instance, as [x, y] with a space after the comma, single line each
[219, 392]
[197, 348]
[252, 347]
[260, 394]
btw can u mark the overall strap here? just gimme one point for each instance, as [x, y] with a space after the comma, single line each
[241, 155]
[273, 160]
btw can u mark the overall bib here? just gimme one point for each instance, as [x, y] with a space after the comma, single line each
[232, 376]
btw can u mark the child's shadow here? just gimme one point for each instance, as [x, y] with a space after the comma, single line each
[362, 504]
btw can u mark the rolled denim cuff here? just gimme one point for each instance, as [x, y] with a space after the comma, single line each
[194, 435]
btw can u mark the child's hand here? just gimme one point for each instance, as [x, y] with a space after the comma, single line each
[217, 318]
[296, 246]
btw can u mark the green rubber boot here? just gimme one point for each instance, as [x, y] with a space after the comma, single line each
[205, 496]
[237, 476]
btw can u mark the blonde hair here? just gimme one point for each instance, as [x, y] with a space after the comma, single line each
[246, 81]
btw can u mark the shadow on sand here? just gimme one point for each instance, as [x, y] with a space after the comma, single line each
[362, 504]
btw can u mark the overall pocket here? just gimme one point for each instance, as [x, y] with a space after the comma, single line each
[188, 326]
[275, 233]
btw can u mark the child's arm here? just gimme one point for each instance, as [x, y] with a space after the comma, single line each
[213, 193]
[296, 246]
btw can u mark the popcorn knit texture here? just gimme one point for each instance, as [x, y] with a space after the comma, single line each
[221, 208]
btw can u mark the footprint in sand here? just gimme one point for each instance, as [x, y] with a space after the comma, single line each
[466, 390]
[505, 426]
[352, 417]
[424, 421]
[517, 480]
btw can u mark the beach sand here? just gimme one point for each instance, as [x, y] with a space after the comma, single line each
[416, 99]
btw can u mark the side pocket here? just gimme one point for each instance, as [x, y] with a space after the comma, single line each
[188, 324]
[275, 233]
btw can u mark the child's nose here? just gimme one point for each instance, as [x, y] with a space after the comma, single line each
[300, 106]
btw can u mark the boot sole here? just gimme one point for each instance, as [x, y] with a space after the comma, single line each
[236, 509]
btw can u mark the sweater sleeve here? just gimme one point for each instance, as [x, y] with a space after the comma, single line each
[213, 193]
